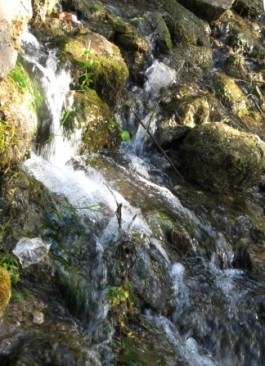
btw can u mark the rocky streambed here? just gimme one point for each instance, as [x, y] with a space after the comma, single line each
[132, 177]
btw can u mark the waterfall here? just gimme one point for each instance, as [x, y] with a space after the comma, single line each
[209, 299]
[55, 84]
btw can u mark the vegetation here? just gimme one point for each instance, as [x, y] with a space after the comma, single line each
[123, 302]
[11, 264]
[5, 289]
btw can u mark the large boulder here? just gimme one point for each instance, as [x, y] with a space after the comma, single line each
[100, 64]
[208, 9]
[14, 16]
[222, 158]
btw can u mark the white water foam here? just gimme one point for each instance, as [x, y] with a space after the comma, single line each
[55, 83]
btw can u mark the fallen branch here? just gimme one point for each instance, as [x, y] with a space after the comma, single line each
[159, 147]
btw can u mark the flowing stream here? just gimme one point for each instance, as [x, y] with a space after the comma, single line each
[215, 315]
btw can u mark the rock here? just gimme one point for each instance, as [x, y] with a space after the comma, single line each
[208, 9]
[5, 289]
[14, 16]
[248, 7]
[41, 8]
[178, 114]
[38, 317]
[102, 59]
[128, 37]
[221, 158]
[91, 116]
[30, 251]
[161, 37]
[244, 40]
[159, 76]
[18, 117]
[184, 26]
[230, 94]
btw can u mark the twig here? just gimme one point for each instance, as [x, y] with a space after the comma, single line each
[119, 207]
[160, 148]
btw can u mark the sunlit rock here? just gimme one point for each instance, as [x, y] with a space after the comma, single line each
[14, 16]
[230, 94]
[92, 118]
[18, 117]
[100, 62]
[41, 8]
[178, 115]
[222, 158]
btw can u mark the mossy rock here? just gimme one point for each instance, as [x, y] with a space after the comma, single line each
[194, 110]
[5, 289]
[208, 9]
[128, 36]
[184, 26]
[18, 117]
[99, 129]
[95, 54]
[230, 94]
[243, 39]
[179, 115]
[221, 158]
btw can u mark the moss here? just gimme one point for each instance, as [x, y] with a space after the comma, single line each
[102, 59]
[222, 158]
[230, 94]
[129, 355]
[109, 77]
[18, 118]
[5, 289]
[166, 223]
[91, 115]
[183, 25]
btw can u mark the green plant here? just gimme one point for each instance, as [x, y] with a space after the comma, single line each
[123, 302]
[11, 264]
[118, 295]
[20, 77]
[66, 120]
[125, 136]
[86, 77]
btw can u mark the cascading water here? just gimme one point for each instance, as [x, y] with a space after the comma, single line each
[213, 318]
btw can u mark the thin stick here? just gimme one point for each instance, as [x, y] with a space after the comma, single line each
[159, 148]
